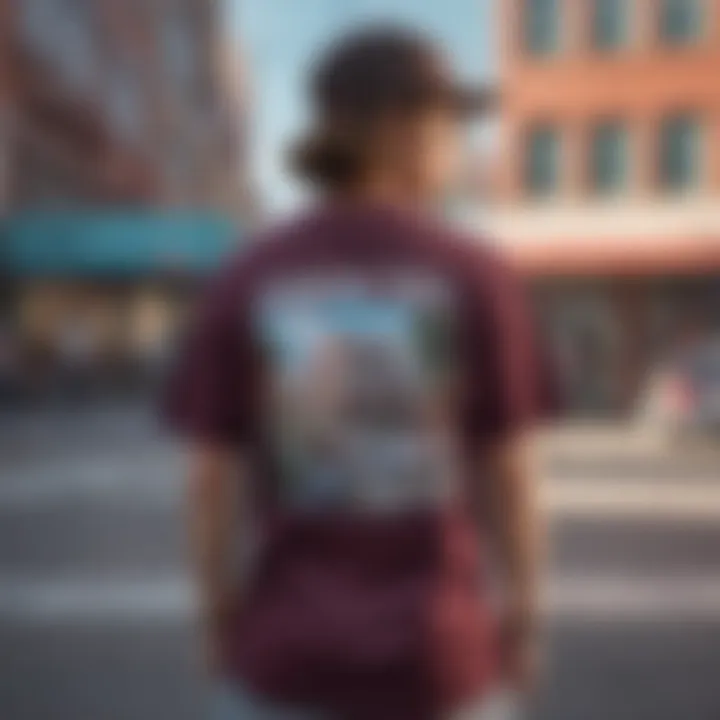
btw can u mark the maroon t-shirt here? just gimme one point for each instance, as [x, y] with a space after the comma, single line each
[359, 358]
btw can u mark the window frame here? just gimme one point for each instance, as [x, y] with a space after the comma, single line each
[665, 181]
[551, 40]
[532, 189]
[598, 42]
[595, 180]
[670, 38]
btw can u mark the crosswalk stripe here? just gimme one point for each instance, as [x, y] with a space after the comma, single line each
[170, 600]
[88, 601]
[100, 483]
[637, 599]
[161, 485]
[632, 499]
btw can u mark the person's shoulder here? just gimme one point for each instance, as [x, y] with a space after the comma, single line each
[472, 254]
[262, 248]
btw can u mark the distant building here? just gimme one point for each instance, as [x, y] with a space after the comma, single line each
[607, 189]
[121, 108]
[236, 189]
[112, 103]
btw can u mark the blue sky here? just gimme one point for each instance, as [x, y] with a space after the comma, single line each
[279, 37]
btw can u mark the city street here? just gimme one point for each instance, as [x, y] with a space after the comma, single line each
[95, 610]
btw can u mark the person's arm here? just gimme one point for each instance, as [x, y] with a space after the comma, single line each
[514, 526]
[208, 402]
[214, 504]
[511, 392]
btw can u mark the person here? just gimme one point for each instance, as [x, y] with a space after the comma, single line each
[77, 351]
[366, 591]
[9, 365]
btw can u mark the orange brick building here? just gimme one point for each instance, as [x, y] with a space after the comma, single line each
[608, 191]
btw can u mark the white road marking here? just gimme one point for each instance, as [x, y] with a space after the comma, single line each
[159, 482]
[158, 479]
[56, 601]
[82, 601]
[637, 599]
[681, 501]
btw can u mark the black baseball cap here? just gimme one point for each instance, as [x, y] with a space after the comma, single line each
[384, 68]
[366, 75]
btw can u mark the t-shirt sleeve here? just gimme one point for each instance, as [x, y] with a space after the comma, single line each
[206, 397]
[512, 384]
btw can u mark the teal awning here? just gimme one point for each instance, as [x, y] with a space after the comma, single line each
[88, 244]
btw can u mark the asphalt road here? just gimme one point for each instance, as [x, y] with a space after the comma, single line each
[95, 608]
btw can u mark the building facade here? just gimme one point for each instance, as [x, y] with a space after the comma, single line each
[110, 106]
[110, 102]
[608, 185]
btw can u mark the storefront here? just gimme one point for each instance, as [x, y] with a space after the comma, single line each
[613, 312]
[101, 297]
[608, 334]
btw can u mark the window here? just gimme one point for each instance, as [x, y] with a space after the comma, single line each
[37, 20]
[680, 21]
[63, 32]
[45, 179]
[609, 158]
[179, 48]
[125, 101]
[542, 26]
[680, 153]
[178, 167]
[609, 29]
[542, 161]
[76, 34]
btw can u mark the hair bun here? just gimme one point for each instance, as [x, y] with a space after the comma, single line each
[329, 159]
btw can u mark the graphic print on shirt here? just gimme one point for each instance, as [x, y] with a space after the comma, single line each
[361, 375]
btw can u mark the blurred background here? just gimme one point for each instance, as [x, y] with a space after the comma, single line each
[142, 140]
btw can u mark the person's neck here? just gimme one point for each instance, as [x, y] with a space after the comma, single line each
[380, 192]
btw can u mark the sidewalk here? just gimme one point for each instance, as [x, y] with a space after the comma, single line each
[622, 447]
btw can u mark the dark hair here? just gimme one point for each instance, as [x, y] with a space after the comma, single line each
[331, 158]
